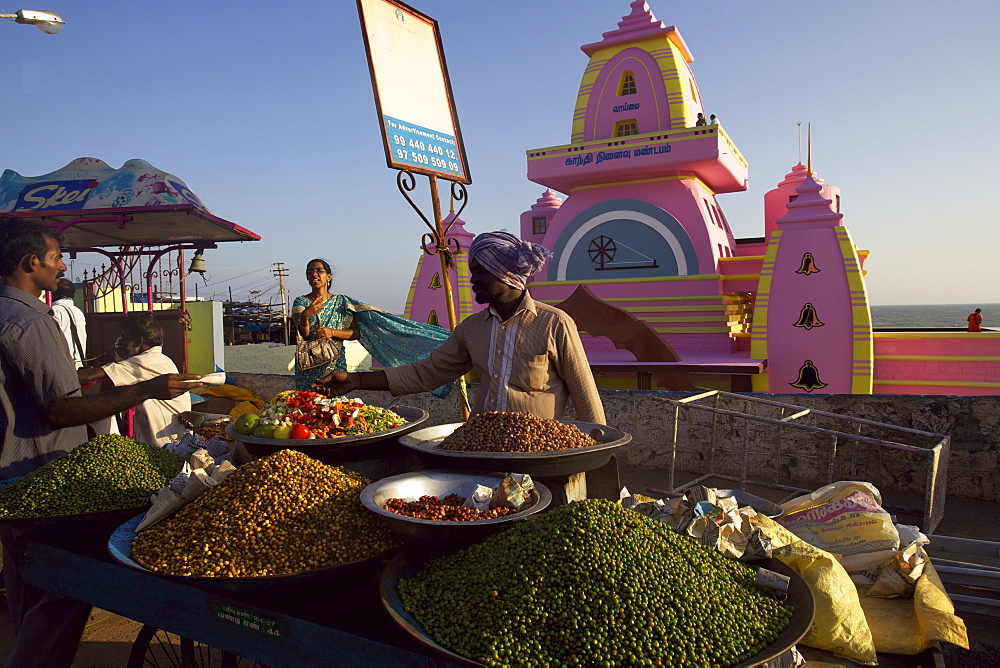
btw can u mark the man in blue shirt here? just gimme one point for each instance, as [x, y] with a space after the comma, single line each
[43, 415]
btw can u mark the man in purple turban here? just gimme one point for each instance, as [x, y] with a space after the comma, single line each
[508, 258]
[528, 355]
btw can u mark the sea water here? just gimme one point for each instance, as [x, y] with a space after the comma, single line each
[933, 315]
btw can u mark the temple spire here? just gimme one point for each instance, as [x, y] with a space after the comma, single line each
[639, 25]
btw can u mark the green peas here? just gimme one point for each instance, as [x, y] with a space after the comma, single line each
[106, 473]
[591, 583]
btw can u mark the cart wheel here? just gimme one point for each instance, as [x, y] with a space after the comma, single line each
[156, 647]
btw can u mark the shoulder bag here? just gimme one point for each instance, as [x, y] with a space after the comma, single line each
[311, 354]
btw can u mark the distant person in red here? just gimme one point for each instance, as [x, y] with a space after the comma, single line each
[976, 321]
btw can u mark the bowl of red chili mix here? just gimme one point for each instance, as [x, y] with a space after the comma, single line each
[427, 505]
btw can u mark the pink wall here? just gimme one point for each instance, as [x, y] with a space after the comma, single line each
[702, 152]
[685, 200]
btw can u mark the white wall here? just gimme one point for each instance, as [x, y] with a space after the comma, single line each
[279, 359]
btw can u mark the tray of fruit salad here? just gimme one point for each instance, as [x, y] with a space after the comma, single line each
[315, 423]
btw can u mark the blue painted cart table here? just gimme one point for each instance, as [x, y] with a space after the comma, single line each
[339, 621]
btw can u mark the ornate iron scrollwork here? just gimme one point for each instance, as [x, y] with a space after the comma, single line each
[431, 242]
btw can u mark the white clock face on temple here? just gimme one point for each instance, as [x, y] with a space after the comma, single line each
[609, 240]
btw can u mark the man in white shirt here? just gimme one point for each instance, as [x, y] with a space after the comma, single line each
[137, 356]
[71, 320]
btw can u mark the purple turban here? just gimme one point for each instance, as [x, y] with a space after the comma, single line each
[508, 258]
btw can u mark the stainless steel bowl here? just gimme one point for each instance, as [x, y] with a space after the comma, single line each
[762, 506]
[120, 548]
[441, 483]
[408, 564]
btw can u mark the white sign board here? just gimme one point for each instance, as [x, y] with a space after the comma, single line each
[412, 91]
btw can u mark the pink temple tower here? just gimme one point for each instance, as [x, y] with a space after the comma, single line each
[425, 301]
[642, 178]
[640, 224]
[776, 201]
[811, 319]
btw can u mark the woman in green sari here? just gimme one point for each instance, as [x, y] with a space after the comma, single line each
[390, 339]
[321, 315]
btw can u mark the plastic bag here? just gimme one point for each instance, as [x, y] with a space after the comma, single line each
[839, 625]
[846, 519]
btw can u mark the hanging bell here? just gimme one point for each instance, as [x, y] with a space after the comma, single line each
[808, 265]
[435, 282]
[808, 378]
[808, 317]
[432, 319]
[197, 263]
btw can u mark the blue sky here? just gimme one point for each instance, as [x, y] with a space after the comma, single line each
[267, 114]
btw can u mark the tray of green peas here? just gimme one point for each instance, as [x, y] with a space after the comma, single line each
[84, 494]
[588, 584]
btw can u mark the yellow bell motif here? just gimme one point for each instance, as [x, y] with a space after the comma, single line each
[808, 265]
[432, 319]
[435, 282]
[808, 378]
[808, 317]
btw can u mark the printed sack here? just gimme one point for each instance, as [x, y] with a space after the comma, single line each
[845, 518]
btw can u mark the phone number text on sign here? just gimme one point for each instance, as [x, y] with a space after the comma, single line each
[421, 147]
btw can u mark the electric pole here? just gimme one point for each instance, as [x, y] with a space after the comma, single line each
[281, 272]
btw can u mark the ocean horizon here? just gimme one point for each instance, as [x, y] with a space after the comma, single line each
[933, 315]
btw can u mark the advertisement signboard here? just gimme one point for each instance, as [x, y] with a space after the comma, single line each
[412, 91]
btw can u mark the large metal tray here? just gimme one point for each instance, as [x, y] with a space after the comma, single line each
[441, 483]
[536, 464]
[362, 446]
[69, 529]
[408, 563]
[120, 549]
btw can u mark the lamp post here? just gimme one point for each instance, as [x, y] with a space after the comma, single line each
[46, 21]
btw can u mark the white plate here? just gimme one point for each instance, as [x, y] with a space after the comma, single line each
[217, 378]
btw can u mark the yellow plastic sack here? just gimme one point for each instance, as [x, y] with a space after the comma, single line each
[840, 625]
[909, 626]
[846, 519]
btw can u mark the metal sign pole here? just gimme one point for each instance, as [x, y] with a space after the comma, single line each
[438, 242]
[444, 252]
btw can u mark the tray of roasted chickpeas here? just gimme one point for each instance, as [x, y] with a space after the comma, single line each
[282, 520]
[509, 441]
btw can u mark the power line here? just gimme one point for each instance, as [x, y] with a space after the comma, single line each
[229, 280]
[267, 280]
[280, 273]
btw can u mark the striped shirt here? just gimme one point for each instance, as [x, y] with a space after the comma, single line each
[531, 363]
[36, 368]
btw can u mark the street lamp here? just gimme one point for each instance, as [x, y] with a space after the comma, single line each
[46, 21]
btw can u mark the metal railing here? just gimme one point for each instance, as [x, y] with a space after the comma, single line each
[756, 441]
